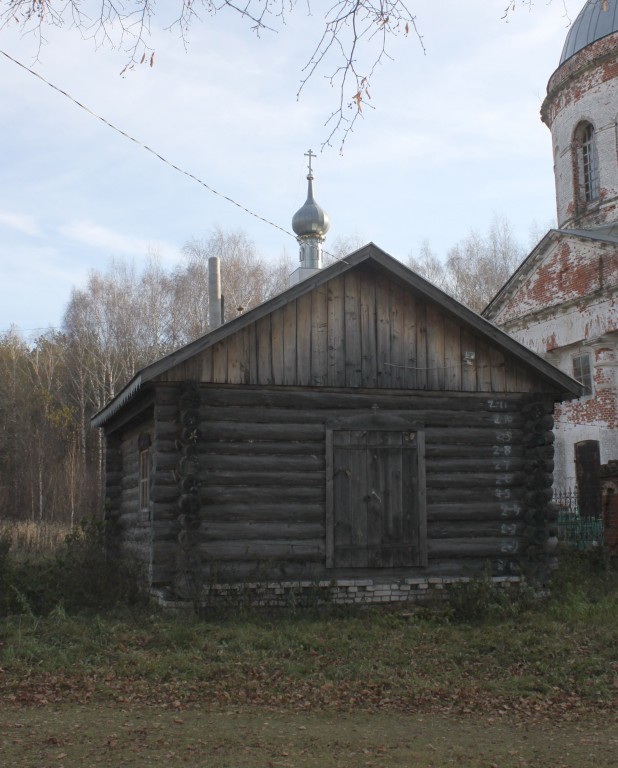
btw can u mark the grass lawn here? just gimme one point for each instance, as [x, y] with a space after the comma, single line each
[518, 685]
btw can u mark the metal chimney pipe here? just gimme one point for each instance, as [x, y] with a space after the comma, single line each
[214, 293]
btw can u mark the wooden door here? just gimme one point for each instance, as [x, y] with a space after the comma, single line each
[376, 509]
[588, 473]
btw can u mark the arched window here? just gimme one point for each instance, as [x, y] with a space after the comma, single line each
[587, 163]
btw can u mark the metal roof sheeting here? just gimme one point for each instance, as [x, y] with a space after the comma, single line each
[597, 19]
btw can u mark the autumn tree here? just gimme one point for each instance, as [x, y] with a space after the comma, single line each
[476, 267]
[13, 393]
[479, 265]
[341, 247]
[38, 439]
[50, 428]
[428, 265]
[246, 278]
[118, 322]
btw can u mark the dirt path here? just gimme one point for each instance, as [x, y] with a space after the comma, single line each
[72, 736]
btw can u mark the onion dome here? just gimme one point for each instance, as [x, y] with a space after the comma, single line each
[310, 223]
[597, 19]
[310, 220]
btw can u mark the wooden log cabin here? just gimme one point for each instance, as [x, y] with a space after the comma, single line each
[362, 435]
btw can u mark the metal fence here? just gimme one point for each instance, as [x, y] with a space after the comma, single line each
[582, 531]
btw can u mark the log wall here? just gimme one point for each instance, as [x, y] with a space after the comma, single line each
[240, 484]
[262, 479]
[129, 527]
[168, 453]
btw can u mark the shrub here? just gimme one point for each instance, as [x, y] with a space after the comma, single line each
[33, 538]
[585, 583]
[78, 576]
[88, 579]
[481, 599]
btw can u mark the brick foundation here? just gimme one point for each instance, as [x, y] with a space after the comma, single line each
[285, 594]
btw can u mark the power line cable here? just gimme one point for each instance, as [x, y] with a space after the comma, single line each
[152, 152]
[146, 147]
[157, 155]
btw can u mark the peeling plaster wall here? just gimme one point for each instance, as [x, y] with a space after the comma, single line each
[565, 305]
[563, 302]
[592, 417]
[569, 298]
[585, 88]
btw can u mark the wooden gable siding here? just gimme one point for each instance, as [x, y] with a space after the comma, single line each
[263, 478]
[358, 330]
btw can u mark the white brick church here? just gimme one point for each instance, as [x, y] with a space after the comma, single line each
[562, 302]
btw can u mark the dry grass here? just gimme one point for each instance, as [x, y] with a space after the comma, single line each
[30, 538]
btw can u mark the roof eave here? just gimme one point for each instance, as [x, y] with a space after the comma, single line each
[127, 393]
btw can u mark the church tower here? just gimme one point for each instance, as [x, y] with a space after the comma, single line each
[581, 110]
[562, 301]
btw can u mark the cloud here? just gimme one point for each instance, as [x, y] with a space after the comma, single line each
[36, 284]
[25, 224]
[454, 135]
[114, 243]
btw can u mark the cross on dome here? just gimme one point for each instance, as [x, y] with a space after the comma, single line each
[310, 155]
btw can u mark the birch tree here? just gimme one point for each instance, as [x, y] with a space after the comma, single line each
[476, 267]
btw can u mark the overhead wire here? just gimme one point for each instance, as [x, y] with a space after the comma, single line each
[146, 147]
[157, 154]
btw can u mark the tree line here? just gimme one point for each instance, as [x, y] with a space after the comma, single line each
[125, 318]
[120, 321]
[476, 267]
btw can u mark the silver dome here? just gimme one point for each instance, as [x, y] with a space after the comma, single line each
[310, 220]
[591, 25]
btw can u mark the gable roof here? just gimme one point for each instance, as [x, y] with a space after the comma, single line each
[606, 234]
[370, 255]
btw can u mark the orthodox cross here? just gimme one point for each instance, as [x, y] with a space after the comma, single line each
[310, 155]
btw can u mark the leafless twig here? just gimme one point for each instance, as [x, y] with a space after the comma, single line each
[353, 43]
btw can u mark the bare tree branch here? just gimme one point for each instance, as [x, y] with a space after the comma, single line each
[355, 38]
[356, 35]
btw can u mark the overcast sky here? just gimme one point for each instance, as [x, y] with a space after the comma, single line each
[455, 138]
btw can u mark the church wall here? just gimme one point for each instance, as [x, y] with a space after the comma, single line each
[564, 303]
[566, 307]
[591, 417]
[568, 433]
[548, 309]
[585, 88]
[572, 324]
